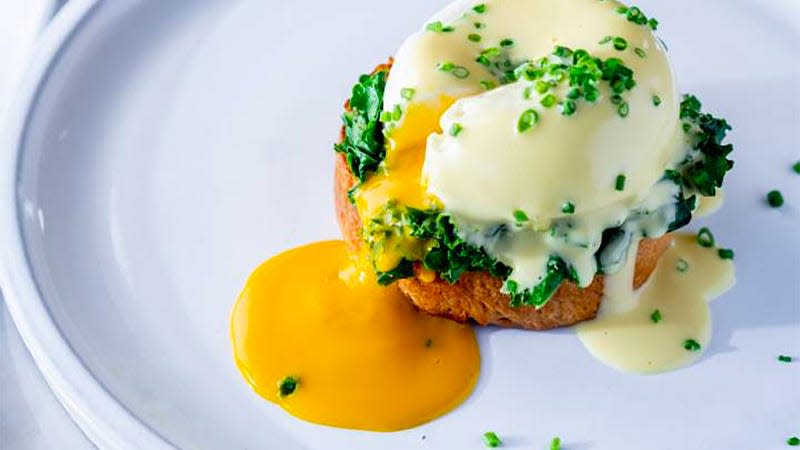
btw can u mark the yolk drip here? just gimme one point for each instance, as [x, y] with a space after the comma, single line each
[365, 358]
[400, 179]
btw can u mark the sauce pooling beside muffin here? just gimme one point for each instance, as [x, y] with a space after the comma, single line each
[538, 141]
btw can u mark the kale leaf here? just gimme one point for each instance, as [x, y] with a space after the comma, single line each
[705, 169]
[539, 295]
[363, 144]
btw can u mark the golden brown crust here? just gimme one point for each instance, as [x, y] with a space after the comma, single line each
[476, 295]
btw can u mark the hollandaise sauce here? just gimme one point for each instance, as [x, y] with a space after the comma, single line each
[317, 335]
[666, 324]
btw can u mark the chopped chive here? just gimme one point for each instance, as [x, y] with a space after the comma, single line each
[623, 109]
[606, 40]
[397, 112]
[287, 386]
[705, 238]
[439, 27]
[620, 43]
[456, 129]
[653, 24]
[446, 66]
[527, 92]
[620, 182]
[461, 72]
[507, 43]
[474, 37]
[568, 208]
[407, 93]
[640, 52]
[793, 441]
[491, 439]
[548, 100]
[555, 444]
[526, 120]
[479, 25]
[725, 253]
[655, 317]
[520, 216]
[386, 116]
[796, 167]
[568, 108]
[487, 84]
[784, 358]
[775, 199]
[682, 265]
[656, 100]
[691, 345]
[480, 9]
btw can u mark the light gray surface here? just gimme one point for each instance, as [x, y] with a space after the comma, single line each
[31, 418]
[144, 216]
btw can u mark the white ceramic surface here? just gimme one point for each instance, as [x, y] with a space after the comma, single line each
[31, 418]
[161, 150]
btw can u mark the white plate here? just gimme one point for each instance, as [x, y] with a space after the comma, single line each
[160, 150]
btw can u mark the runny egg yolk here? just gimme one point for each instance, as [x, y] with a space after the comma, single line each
[362, 355]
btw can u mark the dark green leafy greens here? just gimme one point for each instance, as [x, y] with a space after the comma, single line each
[363, 144]
[706, 165]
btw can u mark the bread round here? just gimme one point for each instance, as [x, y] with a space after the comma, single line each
[476, 296]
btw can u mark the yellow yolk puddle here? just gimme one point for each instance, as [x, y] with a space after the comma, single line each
[627, 337]
[365, 358]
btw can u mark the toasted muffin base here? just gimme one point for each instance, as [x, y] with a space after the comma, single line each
[476, 296]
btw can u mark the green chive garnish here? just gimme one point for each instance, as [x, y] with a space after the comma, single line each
[793, 441]
[796, 167]
[606, 40]
[620, 183]
[480, 9]
[620, 43]
[479, 25]
[775, 199]
[555, 444]
[705, 238]
[548, 100]
[446, 66]
[474, 37]
[784, 358]
[397, 112]
[287, 386]
[520, 216]
[506, 43]
[568, 208]
[656, 100]
[491, 440]
[682, 265]
[527, 92]
[439, 27]
[407, 93]
[487, 84]
[456, 129]
[655, 317]
[527, 120]
[691, 345]
[623, 110]
[568, 107]
[640, 53]
[725, 253]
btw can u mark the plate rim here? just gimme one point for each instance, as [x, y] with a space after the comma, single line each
[102, 417]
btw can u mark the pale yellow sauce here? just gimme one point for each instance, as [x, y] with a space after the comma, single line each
[364, 356]
[709, 205]
[624, 335]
